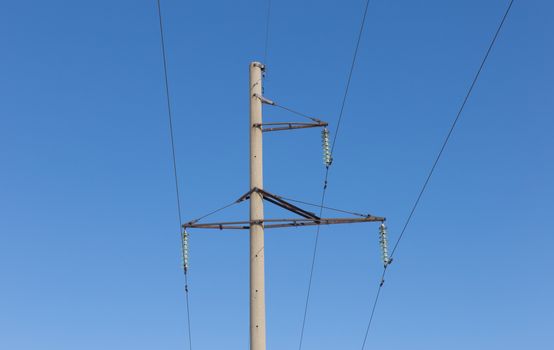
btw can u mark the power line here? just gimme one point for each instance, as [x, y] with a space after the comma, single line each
[267, 18]
[439, 155]
[453, 125]
[375, 301]
[314, 255]
[172, 139]
[325, 181]
[350, 76]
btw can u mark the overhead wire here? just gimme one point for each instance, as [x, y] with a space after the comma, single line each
[294, 112]
[314, 255]
[354, 57]
[324, 207]
[267, 22]
[431, 171]
[447, 138]
[216, 211]
[173, 156]
[326, 178]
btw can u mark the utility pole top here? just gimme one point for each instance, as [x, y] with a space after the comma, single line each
[258, 64]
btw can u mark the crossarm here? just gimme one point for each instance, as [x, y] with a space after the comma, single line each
[266, 127]
[279, 223]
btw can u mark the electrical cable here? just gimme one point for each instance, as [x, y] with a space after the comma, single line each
[343, 104]
[314, 255]
[453, 124]
[325, 182]
[325, 207]
[295, 112]
[172, 139]
[267, 19]
[215, 211]
[438, 157]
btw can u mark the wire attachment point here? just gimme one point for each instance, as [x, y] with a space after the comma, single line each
[265, 100]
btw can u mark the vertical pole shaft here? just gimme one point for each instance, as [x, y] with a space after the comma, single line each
[257, 284]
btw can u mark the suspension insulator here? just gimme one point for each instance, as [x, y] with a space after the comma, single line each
[327, 159]
[185, 241]
[384, 243]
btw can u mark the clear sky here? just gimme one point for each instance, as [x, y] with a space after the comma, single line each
[89, 239]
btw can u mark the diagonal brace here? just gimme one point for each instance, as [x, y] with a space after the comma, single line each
[270, 197]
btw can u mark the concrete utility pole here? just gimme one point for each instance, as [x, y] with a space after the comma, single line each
[257, 195]
[257, 279]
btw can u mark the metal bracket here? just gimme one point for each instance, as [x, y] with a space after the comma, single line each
[264, 100]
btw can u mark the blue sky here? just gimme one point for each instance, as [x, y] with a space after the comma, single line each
[89, 242]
